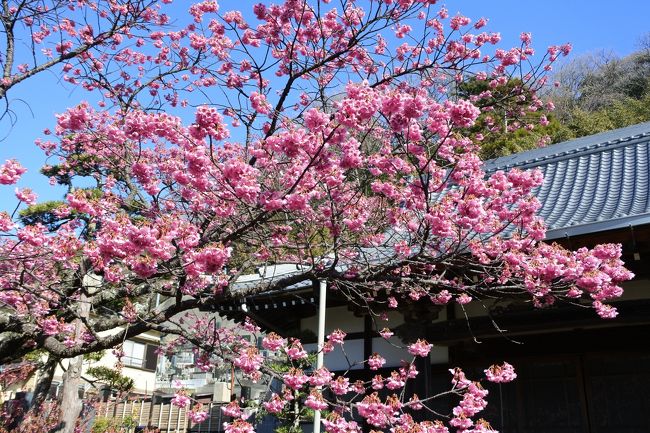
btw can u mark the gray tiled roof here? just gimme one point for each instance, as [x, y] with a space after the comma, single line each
[595, 183]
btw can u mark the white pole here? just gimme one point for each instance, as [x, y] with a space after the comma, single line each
[321, 340]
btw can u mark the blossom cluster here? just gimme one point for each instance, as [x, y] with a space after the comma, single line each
[10, 172]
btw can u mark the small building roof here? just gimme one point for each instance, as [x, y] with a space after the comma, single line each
[591, 184]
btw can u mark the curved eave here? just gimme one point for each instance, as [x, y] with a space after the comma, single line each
[598, 226]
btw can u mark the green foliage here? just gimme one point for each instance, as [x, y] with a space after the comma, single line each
[113, 425]
[102, 425]
[43, 213]
[282, 366]
[129, 422]
[61, 175]
[625, 112]
[94, 356]
[111, 377]
[78, 164]
[36, 355]
[288, 428]
[505, 107]
[598, 93]
[497, 144]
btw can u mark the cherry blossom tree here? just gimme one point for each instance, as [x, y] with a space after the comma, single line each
[327, 134]
[82, 37]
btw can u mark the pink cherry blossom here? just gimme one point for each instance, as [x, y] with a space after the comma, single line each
[232, 409]
[377, 382]
[414, 403]
[420, 348]
[340, 386]
[320, 377]
[336, 337]
[197, 414]
[238, 426]
[6, 223]
[501, 373]
[181, 399]
[259, 103]
[379, 189]
[10, 172]
[50, 325]
[274, 405]
[295, 378]
[249, 361]
[315, 401]
[295, 351]
[273, 342]
[26, 195]
[376, 361]
[374, 411]
[395, 381]
[336, 423]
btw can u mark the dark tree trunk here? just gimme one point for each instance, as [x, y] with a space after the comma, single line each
[44, 383]
[71, 404]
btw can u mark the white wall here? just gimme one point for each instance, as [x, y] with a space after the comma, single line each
[335, 318]
[351, 356]
[348, 358]
[143, 380]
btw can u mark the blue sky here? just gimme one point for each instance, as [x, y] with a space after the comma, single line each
[590, 26]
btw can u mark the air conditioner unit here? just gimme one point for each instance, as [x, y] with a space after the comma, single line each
[221, 392]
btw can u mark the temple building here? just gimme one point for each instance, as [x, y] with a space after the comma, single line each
[577, 373]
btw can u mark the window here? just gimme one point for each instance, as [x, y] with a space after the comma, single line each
[133, 354]
[151, 358]
[140, 355]
[53, 393]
